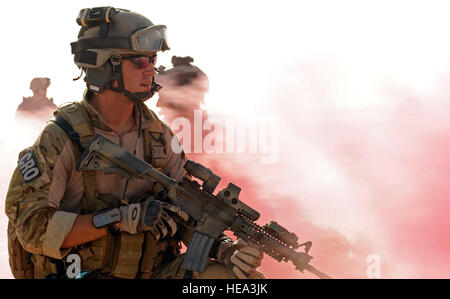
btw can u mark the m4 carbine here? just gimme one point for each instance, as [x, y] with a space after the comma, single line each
[210, 214]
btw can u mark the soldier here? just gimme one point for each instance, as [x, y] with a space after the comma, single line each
[38, 106]
[184, 89]
[119, 228]
[182, 97]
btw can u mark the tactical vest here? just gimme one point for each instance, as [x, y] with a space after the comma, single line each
[124, 255]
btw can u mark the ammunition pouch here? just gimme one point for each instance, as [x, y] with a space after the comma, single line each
[19, 259]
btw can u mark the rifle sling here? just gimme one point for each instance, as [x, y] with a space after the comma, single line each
[63, 124]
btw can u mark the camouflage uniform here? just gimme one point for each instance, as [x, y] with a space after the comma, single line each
[42, 210]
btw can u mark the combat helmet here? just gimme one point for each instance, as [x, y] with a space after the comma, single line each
[107, 33]
[39, 84]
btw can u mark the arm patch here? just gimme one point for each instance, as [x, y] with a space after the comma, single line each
[28, 167]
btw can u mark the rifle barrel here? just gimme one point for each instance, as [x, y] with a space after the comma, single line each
[316, 272]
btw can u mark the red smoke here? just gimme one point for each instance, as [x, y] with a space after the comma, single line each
[356, 182]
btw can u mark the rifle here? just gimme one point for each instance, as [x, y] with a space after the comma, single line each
[210, 214]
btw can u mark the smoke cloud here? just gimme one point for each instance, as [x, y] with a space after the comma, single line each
[357, 182]
[363, 184]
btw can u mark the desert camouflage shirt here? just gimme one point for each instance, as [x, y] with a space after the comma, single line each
[45, 191]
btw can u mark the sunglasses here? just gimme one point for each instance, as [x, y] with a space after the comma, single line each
[141, 61]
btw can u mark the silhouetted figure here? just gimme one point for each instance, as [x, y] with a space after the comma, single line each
[37, 106]
[184, 88]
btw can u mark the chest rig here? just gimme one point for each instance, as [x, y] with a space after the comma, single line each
[123, 255]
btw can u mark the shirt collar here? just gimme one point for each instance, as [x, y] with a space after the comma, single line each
[149, 119]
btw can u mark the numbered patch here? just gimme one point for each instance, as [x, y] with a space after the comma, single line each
[28, 167]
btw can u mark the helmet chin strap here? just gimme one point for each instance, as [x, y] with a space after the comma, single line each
[134, 97]
[138, 96]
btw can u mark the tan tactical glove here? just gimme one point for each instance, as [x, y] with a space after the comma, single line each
[242, 258]
[152, 216]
